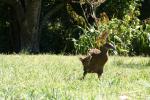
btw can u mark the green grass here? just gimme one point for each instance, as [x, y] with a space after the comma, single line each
[41, 77]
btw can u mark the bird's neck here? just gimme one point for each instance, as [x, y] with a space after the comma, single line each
[104, 51]
[104, 54]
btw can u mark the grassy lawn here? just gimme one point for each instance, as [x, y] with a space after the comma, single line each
[41, 77]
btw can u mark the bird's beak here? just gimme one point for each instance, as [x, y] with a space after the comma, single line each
[113, 47]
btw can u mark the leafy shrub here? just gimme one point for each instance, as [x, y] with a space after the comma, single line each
[86, 41]
[126, 33]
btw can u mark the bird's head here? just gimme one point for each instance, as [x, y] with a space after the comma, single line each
[109, 46]
[104, 44]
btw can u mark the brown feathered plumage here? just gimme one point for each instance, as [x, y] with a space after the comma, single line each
[95, 60]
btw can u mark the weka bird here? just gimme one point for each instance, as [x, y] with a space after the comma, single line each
[96, 59]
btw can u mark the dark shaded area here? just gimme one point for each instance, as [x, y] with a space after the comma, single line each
[113, 8]
[145, 10]
[53, 37]
[5, 41]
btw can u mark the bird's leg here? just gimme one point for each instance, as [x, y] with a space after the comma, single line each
[84, 74]
[99, 74]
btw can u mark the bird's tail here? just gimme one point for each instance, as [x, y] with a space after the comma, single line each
[81, 59]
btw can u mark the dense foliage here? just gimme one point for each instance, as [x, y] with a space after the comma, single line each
[127, 32]
[65, 29]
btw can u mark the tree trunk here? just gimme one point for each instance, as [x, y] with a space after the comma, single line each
[14, 34]
[30, 26]
[26, 23]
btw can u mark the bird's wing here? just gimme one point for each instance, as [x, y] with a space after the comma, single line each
[94, 51]
[86, 60]
[91, 54]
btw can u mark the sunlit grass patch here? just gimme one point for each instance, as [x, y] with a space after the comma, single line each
[58, 77]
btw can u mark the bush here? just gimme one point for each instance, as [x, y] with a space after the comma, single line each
[129, 37]
[125, 31]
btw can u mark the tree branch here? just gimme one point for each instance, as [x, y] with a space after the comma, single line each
[85, 17]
